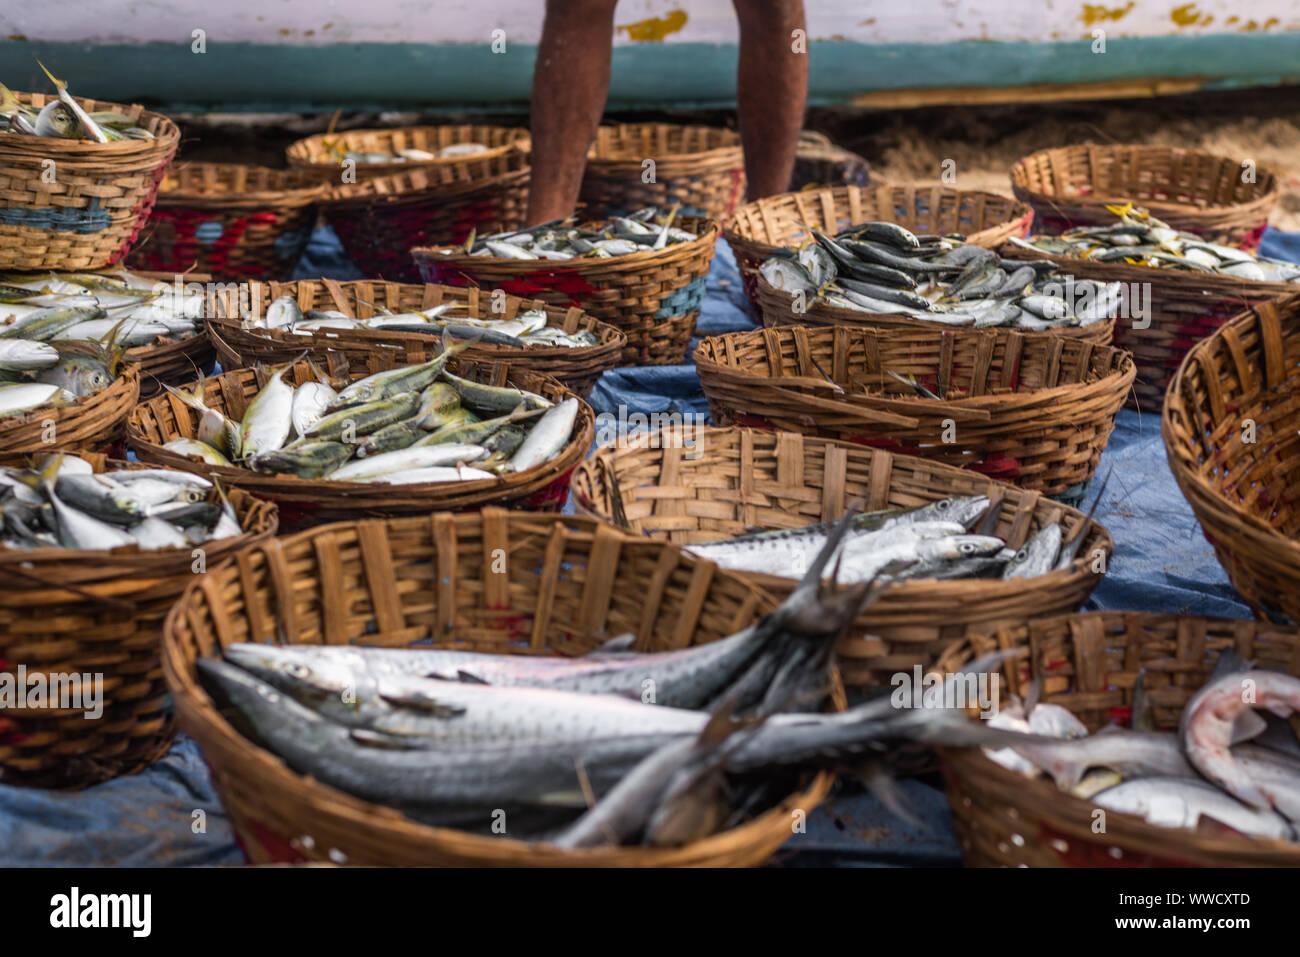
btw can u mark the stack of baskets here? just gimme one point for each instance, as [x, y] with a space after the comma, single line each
[568, 582]
[380, 219]
[700, 485]
[230, 220]
[1089, 664]
[652, 296]
[77, 612]
[1224, 199]
[306, 502]
[1035, 411]
[1232, 432]
[766, 226]
[578, 367]
[76, 204]
[635, 165]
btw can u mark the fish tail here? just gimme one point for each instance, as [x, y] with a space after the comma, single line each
[58, 84]
[43, 477]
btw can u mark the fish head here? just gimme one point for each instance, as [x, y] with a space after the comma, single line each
[958, 546]
[961, 509]
[290, 670]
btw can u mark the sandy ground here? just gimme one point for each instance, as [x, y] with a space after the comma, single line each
[1263, 125]
[909, 145]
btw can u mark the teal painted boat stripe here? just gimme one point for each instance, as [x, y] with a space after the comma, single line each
[264, 76]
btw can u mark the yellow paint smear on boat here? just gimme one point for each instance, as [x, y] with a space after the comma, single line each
[656, 28]
[1099, 13]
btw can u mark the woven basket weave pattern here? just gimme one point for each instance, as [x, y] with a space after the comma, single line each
[1090, 663]
[314, 153]
[98, 201]
[761, 228]
[87, 425]
[233, 221]
[379, 221]
[731, 480]
[1032, 410]
[111, 627]
[698, 168]
[1236, 386]
[568, 583]
[1190, 190]
[578, 367]
[653, 297]
[303, 503]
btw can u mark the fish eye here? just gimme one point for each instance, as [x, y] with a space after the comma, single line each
[943, 504]
[1022, 554]
[297, 670]
[967, 548]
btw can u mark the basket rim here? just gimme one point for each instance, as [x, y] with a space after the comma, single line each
[1121, 366]
[181, 675]
[180, 196]
[297, 152]
[738, 229]
[712, 229]
[1019, 176]
[167, 139]
[900, 591]
[54, 555]
[1182, 459]
[287, 484]
[606, 163]
[830, 314]
[609, 334]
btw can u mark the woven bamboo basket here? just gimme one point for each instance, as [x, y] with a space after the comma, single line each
[88, 425]
[65, 611]
[578, 368]
[1035, 411]
[321, 154]
[699, 168]
[653, 297]
[731, 480]
[172, 363]
[764, 227]
[1089, 663]
[570, 583]
[99, 200]
[777, 308]
[819, 162]
[1199, 192]
[1230, 428]
[304, 503]
[230, 220]
[379, 221]
[1183, 308]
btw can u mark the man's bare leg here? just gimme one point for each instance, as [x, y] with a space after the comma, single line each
[570, 84]
[771, 90]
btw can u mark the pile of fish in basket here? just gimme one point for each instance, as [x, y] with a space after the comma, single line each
[439, 650]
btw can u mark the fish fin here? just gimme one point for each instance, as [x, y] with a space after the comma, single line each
[988, 522]
[424, 702]
[466, 678]
[875, 777]
[58, 84]
[620, 644]
[1278, 736]
[1034, 694]
[388, 742]
[1141, 717]
[46, 474]
[1213, 827]
[1228, 663]
[1249, 724]
[193, 399]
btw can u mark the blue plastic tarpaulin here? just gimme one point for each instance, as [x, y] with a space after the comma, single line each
[1161, 563]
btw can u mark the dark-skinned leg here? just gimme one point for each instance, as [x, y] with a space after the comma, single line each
[570, 83]
[771, 90]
